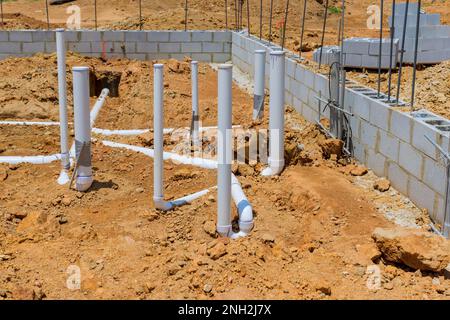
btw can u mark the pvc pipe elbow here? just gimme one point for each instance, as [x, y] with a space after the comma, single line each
[84, 183]
[225, 231]
[246, 219]
[275, 168]
[63, 177]
[160, 204]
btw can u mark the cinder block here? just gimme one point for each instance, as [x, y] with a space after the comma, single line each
[356, 46]
[299, 73]
[80, 47]
[353, 60]
[72, 35]
[169, 47]
[10, 47]
[21, 36]
[157, 56]
[398, 177]
[421, 194]
[224, 36]
[4, 36]
[158, 36]
[304, 93]
[298, 105]
[33, 47]
[202, 57]
[410, 159]
[401, 125]
[99, 47]
[309, 79]
[376, 162]
[379, 114]
[88, 35]
[290, 66]
[236, 39]
[212, 47]
[355, 124]
[438, 215]
[227, 47]
[191, 47]
[221, 57]
[369, 134]
[147, 47]
[125, 47]
[136, 56]
[42, 36]
[180, 36]
[321, 85]
[400, 8]
[419, 141]
[113, 36]
[435, 176]
[202, 36]
[179, 56]
[50, 47]
[374, 47]
[136, 36]
[389, 145]
[361, 106]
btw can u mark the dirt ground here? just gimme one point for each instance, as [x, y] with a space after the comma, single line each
[313, 224]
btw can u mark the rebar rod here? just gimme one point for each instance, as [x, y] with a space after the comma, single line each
[416, 45]
[402, 51]
[286, 13]
[260, 18]
[248, 17]
[140, 14]
[380, 48]
[236, 15]
[303, 27]
[48, 18]
[323, 33]
[1, 11]
[226, 15]
[391, 49]
[185, 14]
[95, 14]
[270, 21]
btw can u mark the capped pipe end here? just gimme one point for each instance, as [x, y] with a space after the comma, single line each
[225, 66]
[84, 183]
[60, 30]
[194, 62]
[277, 53]
[260, 51]
[158, 66]
[80, 69]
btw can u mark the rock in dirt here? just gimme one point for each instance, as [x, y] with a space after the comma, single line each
[332, 147]
[358, 171]
[382, 185]
[267, 238]
[217, 251]
[3, 174]
[323, 287]
[210, 228]
[207, 288]
[414, 248]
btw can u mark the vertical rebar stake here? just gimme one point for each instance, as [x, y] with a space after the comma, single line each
[323, 33]
[236, 15]
[260, 18]
[270, 21]
[226, 15]
[380, 49]
[248, 17]
[303, 27]
[95, 14]
[140, 14]
[48, 18]
[285, 24]
[391, 49]
[1, 11]
[402, 51]
[185, 14]
[416, 45]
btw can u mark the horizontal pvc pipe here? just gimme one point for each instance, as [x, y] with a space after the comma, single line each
[190, 198]
[29, 123]
[30, 159]
[132, 132]
[245, 210]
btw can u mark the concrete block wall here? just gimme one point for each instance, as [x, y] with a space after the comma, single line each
[204, 46]
[433, 40]
[364, 52]
[390, 142]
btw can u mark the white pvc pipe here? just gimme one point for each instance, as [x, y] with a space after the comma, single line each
[132, 132]
[260, 81]
[158, 138]
[30, 159]
[62, 97]
[224, 150]
[29, 123]
[276, 114]
[244, 208]
[82, 124]
[195, 111]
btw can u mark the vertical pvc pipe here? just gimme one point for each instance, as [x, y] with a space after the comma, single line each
[195, 111]
[62, 92]
[158, 138]
[224, 151]
[276, 114]
[82, 124]
[260, 77]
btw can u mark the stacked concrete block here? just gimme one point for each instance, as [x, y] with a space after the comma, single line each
[433, 38]
[204, 46]
[364, 53]
[389, 141]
